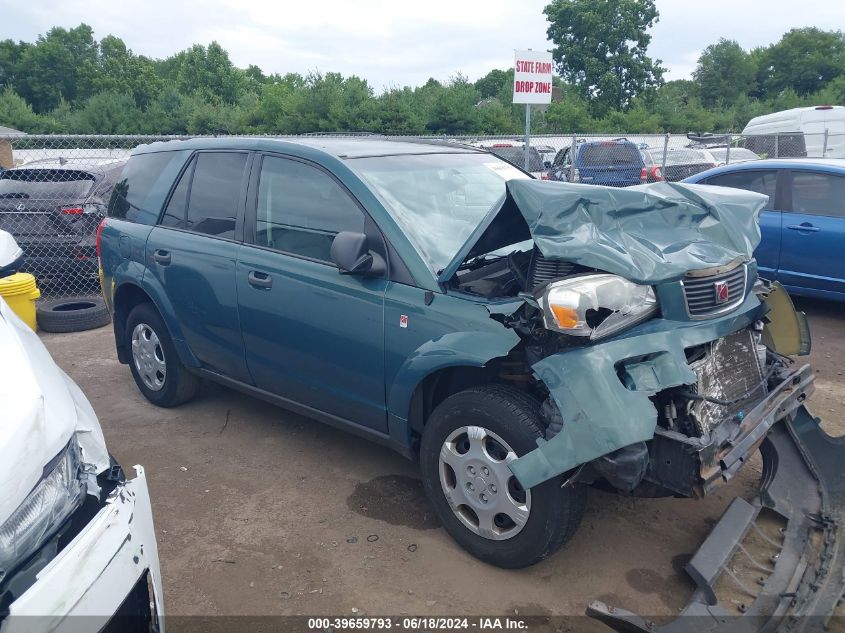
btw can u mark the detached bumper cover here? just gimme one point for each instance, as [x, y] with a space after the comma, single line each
[801, 584]
[84, 586]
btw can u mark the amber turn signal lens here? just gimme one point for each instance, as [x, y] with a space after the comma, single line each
[565, 317]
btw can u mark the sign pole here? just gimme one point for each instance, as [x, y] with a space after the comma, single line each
[527, 133]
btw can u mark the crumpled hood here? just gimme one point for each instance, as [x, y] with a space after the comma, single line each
[648, 233]
[41, 409]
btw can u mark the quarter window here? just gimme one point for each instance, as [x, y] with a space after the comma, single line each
[215, 188]
[301, 209]
[818, 194]
[760, 181]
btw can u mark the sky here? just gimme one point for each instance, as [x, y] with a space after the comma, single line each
[401, 42]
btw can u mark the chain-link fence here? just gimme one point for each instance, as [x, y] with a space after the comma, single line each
[54, 190]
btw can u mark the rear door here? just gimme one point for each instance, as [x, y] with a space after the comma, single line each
[312, 336]
[813, 250]
[192, 255]
[763, 181]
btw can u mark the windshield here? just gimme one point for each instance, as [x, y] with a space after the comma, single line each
[437, 199]
[737, 154]
[516, 156]
[687, 157]
[45, 184]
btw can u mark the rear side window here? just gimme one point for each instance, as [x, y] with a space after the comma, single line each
[177, 207]
[760, 181]
[215, 188]
[139, 193]
[516, 156]
[609, 154]
[301, 209]
[818, 194]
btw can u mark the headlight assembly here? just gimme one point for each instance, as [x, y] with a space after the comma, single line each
[59, 493]
[596, 306]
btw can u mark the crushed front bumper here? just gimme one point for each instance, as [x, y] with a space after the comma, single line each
[797, 575]
[86, 585]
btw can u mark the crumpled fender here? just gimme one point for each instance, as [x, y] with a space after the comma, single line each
[467, 349]
[600, 412]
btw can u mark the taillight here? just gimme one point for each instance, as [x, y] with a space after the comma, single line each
[75, 210]
[652, 174]
[100, 227]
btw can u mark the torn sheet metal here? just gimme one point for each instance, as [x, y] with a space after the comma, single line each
[648, 233]
[601, 412]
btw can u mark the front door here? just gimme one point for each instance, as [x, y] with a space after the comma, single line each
[312, 335]
[192, 254]
[814, 232]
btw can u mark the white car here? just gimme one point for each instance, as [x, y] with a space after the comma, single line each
[76, 538]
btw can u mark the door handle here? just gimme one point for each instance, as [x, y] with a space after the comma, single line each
[806, 227]
[162, 257]
[257, 279]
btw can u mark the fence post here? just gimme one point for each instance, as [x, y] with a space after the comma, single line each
[777, 145]
[824, 146]
[728, 148]
[527, 134]
[665, 149]
[573, 149]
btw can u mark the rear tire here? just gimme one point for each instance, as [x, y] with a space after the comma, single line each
[466, 483]
[155, 365]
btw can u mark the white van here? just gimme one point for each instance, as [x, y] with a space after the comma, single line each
[812, 122]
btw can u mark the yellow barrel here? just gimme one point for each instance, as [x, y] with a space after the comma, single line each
[20, 292]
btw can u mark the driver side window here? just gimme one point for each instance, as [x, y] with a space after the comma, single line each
[301, 209]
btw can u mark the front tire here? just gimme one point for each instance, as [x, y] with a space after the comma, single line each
[466, 446]
[156, 367]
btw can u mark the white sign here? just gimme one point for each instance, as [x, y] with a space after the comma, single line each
[532, 77]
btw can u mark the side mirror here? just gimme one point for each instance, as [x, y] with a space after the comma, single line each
[353, 257]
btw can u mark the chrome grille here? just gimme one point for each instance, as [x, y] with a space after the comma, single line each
[700, 291]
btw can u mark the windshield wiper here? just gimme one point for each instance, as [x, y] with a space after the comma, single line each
[480, 260]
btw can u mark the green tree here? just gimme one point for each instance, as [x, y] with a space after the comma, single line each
[119, 70]
[107, 113]
[207, 70]
[452, 109]
[724, 72]
[59, 66]
[600, 47]
[16, 113]
[11, 56]
[804, 60]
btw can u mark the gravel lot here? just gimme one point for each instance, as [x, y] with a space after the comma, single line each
[262, 512]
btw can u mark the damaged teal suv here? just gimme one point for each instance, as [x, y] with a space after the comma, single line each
[522, 339]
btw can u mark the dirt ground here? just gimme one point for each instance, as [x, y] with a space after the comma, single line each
[262, 512]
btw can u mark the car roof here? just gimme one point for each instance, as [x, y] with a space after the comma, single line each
[338, 146]
[822, 164]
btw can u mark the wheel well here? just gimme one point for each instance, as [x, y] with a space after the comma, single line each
[441, 384]
[125, 299]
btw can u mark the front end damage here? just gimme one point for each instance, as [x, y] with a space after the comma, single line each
[663, 366]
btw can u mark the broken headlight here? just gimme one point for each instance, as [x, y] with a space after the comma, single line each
[596, 306]
[59, 493]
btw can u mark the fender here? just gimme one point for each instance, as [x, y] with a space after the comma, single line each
[456, 349]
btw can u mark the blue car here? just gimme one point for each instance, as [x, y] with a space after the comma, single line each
[616, 163]
[803, 225]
